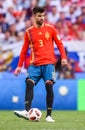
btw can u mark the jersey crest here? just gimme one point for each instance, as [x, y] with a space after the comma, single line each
[47, 35]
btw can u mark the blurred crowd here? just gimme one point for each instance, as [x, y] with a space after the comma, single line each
[68, 16]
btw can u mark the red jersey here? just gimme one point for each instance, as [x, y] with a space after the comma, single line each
[40, 41]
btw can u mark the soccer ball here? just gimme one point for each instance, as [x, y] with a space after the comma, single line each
[34, 114]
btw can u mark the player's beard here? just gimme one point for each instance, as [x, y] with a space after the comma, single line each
[40, 22]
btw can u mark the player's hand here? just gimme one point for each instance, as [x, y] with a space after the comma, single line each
[17, 71]
[64, 62]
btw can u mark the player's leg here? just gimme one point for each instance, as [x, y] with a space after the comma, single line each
[29, 93]
[49, 96]
[49, 100]
[49, 78]
[31, 80]
[34, 73]
[28, 99]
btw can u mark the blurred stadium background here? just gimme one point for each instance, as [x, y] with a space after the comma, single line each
[68, 16]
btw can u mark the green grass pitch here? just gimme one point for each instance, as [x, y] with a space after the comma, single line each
[64, 120]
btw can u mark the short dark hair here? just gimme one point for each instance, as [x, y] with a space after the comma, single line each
[38, 10]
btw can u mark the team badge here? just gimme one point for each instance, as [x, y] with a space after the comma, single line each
[47, 35]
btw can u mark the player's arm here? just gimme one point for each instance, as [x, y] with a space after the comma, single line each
[23, 54]
[60, 46]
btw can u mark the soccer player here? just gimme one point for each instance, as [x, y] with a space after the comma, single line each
[40, 39]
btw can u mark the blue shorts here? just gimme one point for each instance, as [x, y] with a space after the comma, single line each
[47, 72]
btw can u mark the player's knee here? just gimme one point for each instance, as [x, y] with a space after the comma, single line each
[30, 82]
[49, 88]
[49, 83]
